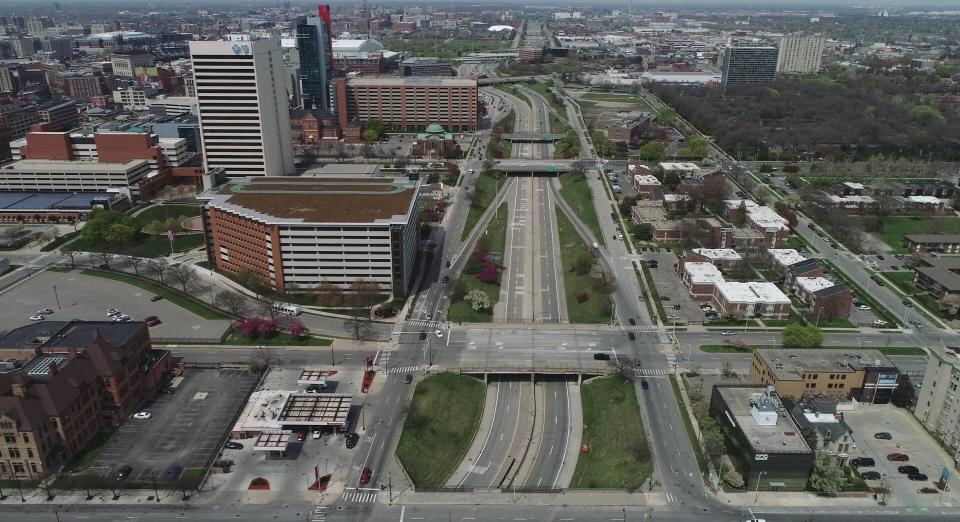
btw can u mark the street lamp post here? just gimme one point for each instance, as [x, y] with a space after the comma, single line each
[759, 478]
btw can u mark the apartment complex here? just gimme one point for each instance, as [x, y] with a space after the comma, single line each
[745, 64]
[774, 227]
[244, 118]
[62, 382]
[864, 375]
[410, 103]
[750, 299]
[800, 54]
[938, 400]
[296, 233]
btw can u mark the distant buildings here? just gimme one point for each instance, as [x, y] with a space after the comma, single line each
[800, 54]
[425, 67]
[745, 64]
[244, 113]
[315, 45]
[409, 103]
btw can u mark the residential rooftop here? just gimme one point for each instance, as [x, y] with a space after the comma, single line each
[683, 166]
[645, 179]
[702, 272]
[752, 292]
[293, 200]
[933, 238]
[786, 256]
[725, 254]
[813, 284]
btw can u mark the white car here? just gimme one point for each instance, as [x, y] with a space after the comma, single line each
[142, 415]
[44, 311]
[316, 434]
[37, 318]
[863, 307]
[726, 333]
[121, 318]
[438, 333]
[112, 312]
[620, 236]
[879, 322]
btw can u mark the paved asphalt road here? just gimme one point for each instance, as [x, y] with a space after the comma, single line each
[549, 450]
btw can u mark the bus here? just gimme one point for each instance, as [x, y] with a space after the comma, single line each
[285, 308]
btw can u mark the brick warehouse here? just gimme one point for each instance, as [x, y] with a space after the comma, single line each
[410, 103]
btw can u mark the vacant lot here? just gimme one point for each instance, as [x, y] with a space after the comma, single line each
[619, 456]
[440, 426]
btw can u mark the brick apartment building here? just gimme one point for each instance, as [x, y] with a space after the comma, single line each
[62, 382]
[865, 375]
[296, 233]
[774, 227]
[751, 299]
[409, 103]
[826, 299]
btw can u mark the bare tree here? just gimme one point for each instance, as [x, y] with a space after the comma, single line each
[136, 263]
[184, 275]
[71, 255]
[158, 267]
[329, 294]
[360, 300]
[104, 258]
[231, 302]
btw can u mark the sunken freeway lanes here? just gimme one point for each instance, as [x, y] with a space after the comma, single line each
[508, 437]
[554, 420]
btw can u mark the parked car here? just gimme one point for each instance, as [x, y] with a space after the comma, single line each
[446, 279]
[898, 457]
[664, 297]
[365, 476]
[142, 415]
[316, 434]
[155, 298]
[407, 379]
[882, 435]
[863, 462]
[44, 311]
[352, 439]
[726, 333]
[916, 324]
[870, 475]
[863, 307]
[644, 384]
[907, 303]
[917, 476]
[600, 356]
[233, 445]
[438, 333]
[37, 318]
[908, 470]
[879, 322]
[124, 472]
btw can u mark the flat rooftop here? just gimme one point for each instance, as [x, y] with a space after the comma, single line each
[703, 272]
[727, 254]
[295, 200]
[310, 376]
[316, 409]
[814, 284]
[411, 81]
[782, 437]
[792, 364]
[69, 334]
[40, 165]
[334, 170]
[786, 256]
[273, 440]
[752, 292]
[26, 201]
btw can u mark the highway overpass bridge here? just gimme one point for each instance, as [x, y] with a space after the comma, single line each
[519, 166]
[532, 137]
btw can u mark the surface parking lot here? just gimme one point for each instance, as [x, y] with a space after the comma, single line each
[908, 437]
[88, 297]
[186, 428]
[668, 284]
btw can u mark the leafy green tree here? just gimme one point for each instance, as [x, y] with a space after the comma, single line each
[827, 477]
[733, 478]
[697, 147]
[582, 263]
[373, 130]
[643, 232]
[713, 437]
[109, 226]
[796, 335]
[653, 151]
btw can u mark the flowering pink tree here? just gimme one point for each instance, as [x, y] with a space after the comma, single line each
[299, 330]
[254, 327]
[488, 274]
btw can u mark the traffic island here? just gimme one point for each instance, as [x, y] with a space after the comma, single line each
[614, 450]
[439, 427]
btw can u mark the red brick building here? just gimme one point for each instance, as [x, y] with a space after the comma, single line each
[312, 127]
[409, 103]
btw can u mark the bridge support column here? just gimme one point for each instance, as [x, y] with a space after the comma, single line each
[579, 379]
[486, 378]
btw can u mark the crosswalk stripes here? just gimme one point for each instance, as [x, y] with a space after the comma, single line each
[650, 372]
[382, 359]
[318, 514]
[360, 495]
[670, 498]
[640, 328]
[403, 369]
[422, 323]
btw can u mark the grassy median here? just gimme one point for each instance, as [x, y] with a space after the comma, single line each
[596, 309]
[440, 426]
[488, 183]
[494, 240]
[576, 192]
[619, 456]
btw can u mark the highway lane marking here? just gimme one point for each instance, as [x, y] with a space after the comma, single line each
[496, 400]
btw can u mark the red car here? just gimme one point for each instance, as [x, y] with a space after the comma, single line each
[154, 322]
[365, 476]
[897, 457]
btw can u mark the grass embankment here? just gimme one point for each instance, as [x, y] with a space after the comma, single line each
[277, 339]
[886, 350]
[575, 190]
[904, 281]
[654, 294]
[895, 228]
[145, 245]
[440, 426]
[596, 308]
[619, 456]
[483, 193]
[176, 298]
[688, 425]
[496, 238]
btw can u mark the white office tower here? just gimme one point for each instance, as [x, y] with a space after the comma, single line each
[800, 54]
[244, 113]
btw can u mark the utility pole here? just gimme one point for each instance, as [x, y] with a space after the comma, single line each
[390, 486]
